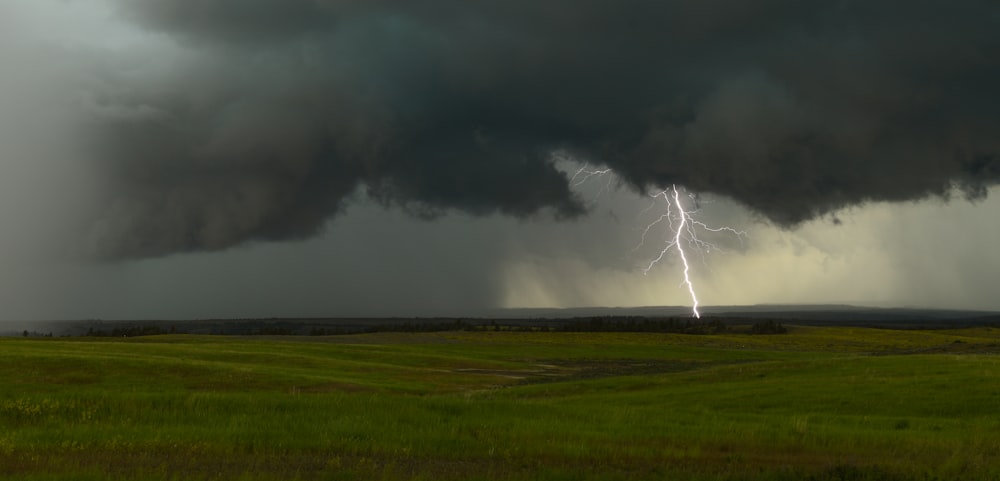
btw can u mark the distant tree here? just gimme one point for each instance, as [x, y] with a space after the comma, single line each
[768, 327]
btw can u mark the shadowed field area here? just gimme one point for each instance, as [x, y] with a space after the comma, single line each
[817, 403]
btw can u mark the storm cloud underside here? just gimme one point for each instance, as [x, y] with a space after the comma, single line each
[266, 117]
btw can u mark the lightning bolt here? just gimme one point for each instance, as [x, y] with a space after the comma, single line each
[685, 228]
[682, 225]
[585, 173]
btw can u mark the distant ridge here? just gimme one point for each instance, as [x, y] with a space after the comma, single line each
[792, 314]
[783, 311]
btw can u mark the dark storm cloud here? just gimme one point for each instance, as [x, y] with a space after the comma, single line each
[276, 111]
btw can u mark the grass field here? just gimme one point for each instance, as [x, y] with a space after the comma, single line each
[816, 403]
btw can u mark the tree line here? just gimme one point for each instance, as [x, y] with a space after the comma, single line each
[677, 325]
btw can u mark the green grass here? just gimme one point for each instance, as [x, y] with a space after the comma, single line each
[817, 403]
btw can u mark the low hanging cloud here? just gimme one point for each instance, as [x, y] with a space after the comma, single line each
[267, 116]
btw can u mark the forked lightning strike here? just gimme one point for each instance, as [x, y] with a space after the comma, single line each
[686, 230]
[681, 224]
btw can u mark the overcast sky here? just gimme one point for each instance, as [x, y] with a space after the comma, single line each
[257, 158]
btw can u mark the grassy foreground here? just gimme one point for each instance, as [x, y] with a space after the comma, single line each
[817, 403]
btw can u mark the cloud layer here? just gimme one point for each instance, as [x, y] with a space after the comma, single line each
[266, 116]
